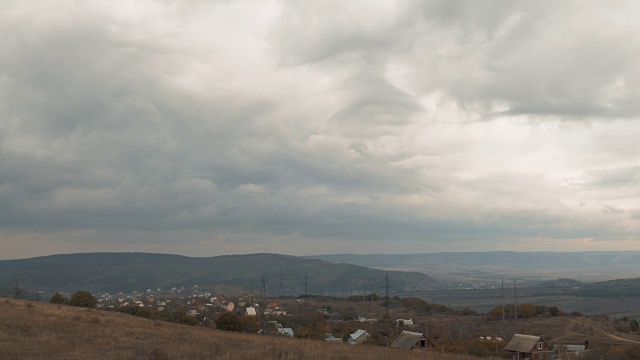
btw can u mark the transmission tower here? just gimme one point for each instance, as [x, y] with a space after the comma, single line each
[263, 289]
[386, 294]
[280, 279]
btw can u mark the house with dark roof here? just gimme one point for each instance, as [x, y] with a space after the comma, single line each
[409, 340]
[529, 347]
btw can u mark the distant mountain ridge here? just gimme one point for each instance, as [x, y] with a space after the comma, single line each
[582, 266]
[114, 272]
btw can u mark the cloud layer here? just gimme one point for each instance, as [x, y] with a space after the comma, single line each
[206, 128]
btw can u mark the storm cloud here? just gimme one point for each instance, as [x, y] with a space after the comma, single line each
[207, 128]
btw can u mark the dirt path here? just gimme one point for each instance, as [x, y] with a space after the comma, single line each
[571, 326]
[569, 331]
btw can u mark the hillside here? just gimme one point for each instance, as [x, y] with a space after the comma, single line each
[33, 330]
[618, 288]
[114, 272]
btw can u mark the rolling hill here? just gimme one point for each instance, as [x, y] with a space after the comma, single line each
[114, 272]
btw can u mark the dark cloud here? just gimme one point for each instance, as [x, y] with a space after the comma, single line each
[293, 127]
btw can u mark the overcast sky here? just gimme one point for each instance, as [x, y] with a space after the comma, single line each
[217, 127]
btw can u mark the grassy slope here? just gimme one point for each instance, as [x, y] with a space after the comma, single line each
[31, 330]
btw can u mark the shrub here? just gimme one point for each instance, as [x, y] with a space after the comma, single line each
[58, 298]
[83, 299]
[188, 320]
[229, 322]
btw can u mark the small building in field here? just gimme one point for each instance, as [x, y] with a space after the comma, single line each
[529, 347]
[358, 337]
[404, 321]
[409, 340]
[331, 338]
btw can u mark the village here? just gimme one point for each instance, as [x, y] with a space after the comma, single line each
[358, 320]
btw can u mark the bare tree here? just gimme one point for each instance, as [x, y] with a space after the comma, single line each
[19, 290]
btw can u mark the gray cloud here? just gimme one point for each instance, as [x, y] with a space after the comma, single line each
[207, 128]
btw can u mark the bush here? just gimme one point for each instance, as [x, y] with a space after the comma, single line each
[58, 298]
[229, 322]
[83, 299]
[188, 320]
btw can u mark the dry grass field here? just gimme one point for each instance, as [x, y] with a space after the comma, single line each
[32, 330]
[559, 330]
[598, 330]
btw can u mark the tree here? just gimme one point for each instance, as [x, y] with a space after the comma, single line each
[554, 311]
[526, 311]
[249, 324]
[18, 289]
[58, 298]
[633, 326]
[229, 322]
[83, 299]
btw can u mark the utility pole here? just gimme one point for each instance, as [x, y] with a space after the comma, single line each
[263, 289]
[280, 278]
[364, 291]
[502, 296]
[515, 298]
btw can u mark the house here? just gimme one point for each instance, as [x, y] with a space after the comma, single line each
[331, 338]
[574, 349]
[250, 311]
[404, 321]
[229, 306]
[409, 340]
[529, 347]
[285, 331]
[275, 324]
[358, 337]
[364, 319]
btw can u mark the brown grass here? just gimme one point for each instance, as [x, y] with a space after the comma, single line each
[31, 330]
